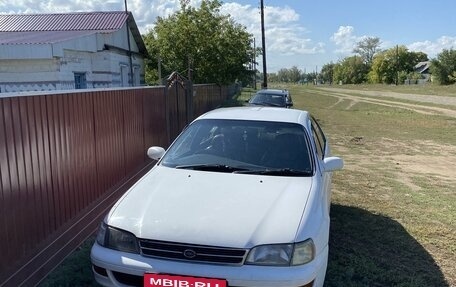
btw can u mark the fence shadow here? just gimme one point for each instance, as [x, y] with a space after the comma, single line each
[367, 249]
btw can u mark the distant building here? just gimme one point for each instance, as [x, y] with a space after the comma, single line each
[424, 69]
[42, 52]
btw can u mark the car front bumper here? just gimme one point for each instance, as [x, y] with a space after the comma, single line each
[110, 265]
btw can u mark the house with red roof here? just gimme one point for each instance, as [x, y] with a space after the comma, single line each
[84, 50]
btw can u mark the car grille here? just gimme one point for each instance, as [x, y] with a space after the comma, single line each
[192, 253]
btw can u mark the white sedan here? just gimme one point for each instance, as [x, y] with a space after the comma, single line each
[241, 198]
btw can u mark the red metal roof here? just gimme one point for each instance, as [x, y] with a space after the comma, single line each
[82, 21]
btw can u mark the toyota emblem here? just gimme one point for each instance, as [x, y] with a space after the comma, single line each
[189, 253]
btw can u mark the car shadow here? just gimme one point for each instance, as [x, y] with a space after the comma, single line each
[367, 249]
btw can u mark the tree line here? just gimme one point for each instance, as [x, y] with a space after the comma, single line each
[370, 64]
[209, 47]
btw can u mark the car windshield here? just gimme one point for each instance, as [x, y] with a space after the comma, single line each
[269, 99]
[241, 146]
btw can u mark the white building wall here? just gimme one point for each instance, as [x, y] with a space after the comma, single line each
[52, 67]
[102, 75]
[29, 75]
[24, 51]
[117, 39]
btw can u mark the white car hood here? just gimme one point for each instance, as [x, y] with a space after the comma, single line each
[213, 208]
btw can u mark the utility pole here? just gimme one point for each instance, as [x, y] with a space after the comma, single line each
[265, 73]
[254, 65]
[190, 68]
[129, 44]
[160, 81]
[397, 65]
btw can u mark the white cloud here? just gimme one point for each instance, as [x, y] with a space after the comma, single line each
[284, 35]
[62, 6]
[433, 48]
[345, 40]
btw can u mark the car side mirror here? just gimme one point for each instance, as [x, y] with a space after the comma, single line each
[333, 163]
[155, 152]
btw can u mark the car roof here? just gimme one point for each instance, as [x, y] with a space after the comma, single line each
[258, 114]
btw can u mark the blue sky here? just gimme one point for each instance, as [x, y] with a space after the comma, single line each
[306, 34]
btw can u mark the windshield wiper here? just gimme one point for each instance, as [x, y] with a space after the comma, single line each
[277, 172]
[211, 167]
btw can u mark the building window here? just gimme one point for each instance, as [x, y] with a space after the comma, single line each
[80, 81]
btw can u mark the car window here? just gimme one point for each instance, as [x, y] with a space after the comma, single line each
[269, 99]
[256, 145]
[319, 138]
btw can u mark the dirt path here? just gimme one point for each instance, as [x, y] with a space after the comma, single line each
[429, 158]
[419, 175]
[384, 98]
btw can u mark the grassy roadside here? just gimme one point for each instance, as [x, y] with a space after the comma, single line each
[390, 226]
[75, 270]
[393, 217]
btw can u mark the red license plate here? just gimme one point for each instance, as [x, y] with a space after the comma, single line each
[161, 280]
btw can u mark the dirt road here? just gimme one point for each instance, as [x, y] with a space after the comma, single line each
[387, 99]
[411, 180]
[428, 158]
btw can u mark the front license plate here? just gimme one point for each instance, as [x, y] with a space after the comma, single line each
[161, 280]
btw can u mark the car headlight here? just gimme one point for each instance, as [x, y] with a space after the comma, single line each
[303, 252]
[277, 254]
[117, 239]
[282, 254]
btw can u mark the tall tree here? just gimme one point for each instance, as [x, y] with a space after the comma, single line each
[367, 48]
[283, 75]
[394, 65]
[212, 46]
[351, 70]
[327, 73]
[295, 74]
[443, 68]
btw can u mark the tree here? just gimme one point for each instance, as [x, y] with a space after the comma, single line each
[351, 70]
[327, 73]
[394, 65]
[284, 75]
[211, 46]
[367, 48]
[294, 74]
[443, 68]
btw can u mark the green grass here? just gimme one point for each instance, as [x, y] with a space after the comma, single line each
[385, 232]
[390, 226]
[76, 270]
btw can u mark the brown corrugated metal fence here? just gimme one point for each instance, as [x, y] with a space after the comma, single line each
[65, 158]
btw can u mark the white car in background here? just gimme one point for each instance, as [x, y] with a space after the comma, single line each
[241, 198]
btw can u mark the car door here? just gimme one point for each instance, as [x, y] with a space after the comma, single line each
[323, 150]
